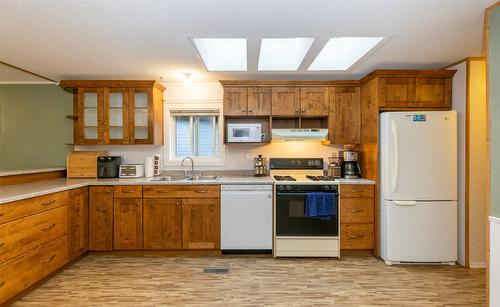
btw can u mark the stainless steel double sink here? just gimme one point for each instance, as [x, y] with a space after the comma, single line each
[186, 178]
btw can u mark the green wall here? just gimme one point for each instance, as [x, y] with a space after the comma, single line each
[33, 128]
[494, 72]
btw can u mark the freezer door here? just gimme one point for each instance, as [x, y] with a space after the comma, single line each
[418, 155]
[420, 231]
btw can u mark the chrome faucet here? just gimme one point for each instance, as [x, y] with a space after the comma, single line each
[192, 165]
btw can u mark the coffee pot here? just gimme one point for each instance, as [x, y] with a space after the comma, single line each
[260, 166]
[335, 165]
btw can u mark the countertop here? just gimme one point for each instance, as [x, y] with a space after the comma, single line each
[15, 192]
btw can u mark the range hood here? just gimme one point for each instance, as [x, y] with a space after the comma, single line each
[299, 134]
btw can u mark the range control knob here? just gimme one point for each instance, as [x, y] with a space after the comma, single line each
[281, 187]
[326, 188]
[316, 163]
[288, 187]
[299, 162]
[333, 188]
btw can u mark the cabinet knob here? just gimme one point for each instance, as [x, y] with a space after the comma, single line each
[2, 283]
[243, 111]
[138, 203]
[297, 110]
[250, 110]
[2, 244]
[303, 110]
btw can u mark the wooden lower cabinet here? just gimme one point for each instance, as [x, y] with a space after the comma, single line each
[357, 216]
[78, 222]
[201, 223]
[127, 221]
[101, 218]
[162, 223]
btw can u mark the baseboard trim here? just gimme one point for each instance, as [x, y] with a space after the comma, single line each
[494, 219]
[477, 265]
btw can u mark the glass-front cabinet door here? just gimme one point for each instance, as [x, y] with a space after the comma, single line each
[116, 117]
[141, 116]
[89, 106]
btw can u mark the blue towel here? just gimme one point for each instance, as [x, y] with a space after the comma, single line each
[320, 205]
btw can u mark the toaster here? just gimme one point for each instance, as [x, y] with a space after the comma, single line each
[131, 170]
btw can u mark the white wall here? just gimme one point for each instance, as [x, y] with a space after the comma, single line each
[459, 104]
[199, 95]
[494, 261]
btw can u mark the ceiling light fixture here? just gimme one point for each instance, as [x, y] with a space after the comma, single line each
[283, 54]
[187, 77]
[341, 53]
[223, 54]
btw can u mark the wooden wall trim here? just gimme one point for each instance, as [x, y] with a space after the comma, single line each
[25, 178]
[438, 73]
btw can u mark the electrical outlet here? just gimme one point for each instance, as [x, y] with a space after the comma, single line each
[248, 156]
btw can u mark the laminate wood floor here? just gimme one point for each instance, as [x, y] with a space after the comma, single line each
[124, 280]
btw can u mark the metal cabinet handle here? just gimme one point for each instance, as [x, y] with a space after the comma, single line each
[49, 227]
[1, 214]
[2, 244]
[162, 192]
[2, 283]
[109, 191]
[138, 203]
[127, 192]
[48, 259]
[356, 191]
[356, 210]
[48, 202]
[356, 236]
[200, 191]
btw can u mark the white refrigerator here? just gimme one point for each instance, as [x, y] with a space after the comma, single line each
[418, 187]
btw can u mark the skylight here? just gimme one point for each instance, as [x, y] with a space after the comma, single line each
[223, 54]
[341, 53]
[283, 53]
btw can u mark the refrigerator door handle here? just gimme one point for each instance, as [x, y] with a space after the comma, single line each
[395, 174]
[405, 202]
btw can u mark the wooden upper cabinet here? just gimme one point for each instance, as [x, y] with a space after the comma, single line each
[433, 92]
[201, 223]
[162, 223]
[78, 222]
[285, 101]
[418, 92]
[345, 115]
[314, 101]
[235, 101]
[127, 230]
[101, 218]
[259, 101]
[396, 92]
[117, 112]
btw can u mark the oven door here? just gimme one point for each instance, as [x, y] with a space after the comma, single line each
[291, 219]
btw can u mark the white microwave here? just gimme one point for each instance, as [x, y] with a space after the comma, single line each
[244, 133]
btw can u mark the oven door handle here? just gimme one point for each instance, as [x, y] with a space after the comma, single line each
[301, 194]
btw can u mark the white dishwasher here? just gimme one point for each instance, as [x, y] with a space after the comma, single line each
[246, 218]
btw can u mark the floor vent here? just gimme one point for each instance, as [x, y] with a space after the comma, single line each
[216, 270]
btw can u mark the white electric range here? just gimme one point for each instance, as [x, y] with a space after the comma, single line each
[295, 234]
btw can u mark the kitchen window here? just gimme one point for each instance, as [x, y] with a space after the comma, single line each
[195, 134]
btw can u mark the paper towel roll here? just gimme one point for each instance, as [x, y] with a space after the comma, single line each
[149, 168]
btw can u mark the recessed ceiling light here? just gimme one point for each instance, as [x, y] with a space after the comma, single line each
[223, 54]
[341, 53]
[283, 53]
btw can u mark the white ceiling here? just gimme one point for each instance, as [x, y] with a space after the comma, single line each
[130, 39]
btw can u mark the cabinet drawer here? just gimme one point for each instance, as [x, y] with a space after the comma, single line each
[25, 270]
[357, 236]
[128, 191]
[357, 210]
[22, 235]
[181, 191]
[53, 255]
[357, 190]
[26, 207]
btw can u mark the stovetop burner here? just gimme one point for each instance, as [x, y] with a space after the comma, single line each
[284, 178]
[320, 178]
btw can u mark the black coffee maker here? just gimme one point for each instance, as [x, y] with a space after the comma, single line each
[107, 166]
[350, 166]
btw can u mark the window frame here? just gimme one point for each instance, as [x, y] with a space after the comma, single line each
[170, 150]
